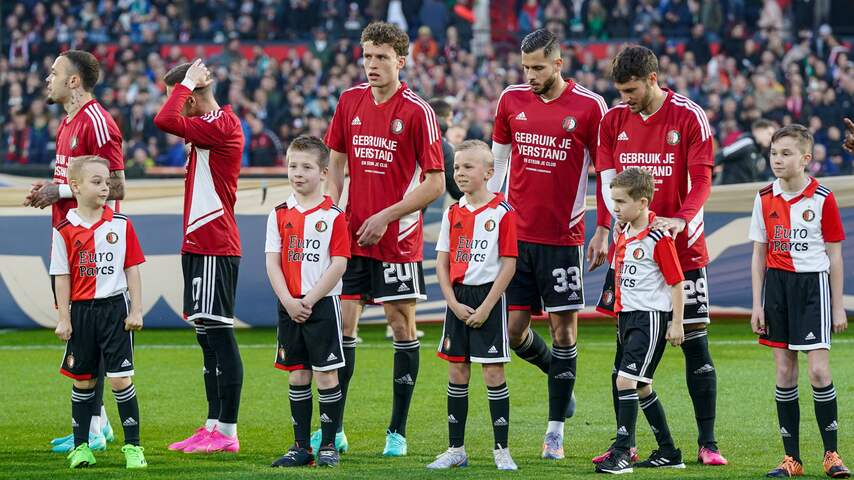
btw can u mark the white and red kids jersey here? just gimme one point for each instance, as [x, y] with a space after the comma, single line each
[553, 143]
[389, 147]
[215, 142]
[476, 238]
[92, 131]
[307, 240]
[796, 226]
[645, 267]
[674, 144]
[95, 256]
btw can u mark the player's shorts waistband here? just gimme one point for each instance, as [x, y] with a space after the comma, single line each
[119, 297]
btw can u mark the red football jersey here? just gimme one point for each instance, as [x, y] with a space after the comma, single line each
[475, 239]
[92, 131]
[668, 144]
[553, 143]
[213, 165]
[95, 256]
[307, 240]
[389, 147]
[797, 227]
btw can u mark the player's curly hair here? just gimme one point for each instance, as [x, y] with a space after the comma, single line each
[637, 182]
[635, 62]
[799, 133]
[308, 143]
[382, 33]
[85, 65]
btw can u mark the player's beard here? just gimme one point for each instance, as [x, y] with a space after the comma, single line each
[547, 85]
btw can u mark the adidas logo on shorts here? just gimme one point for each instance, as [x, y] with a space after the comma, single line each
[324, 418]
[622, 431]
[810, 336]
[632, 366]
[492, 349]
[130, 422]
[832, 427]
[501, 422]
[521, 116]
[402, 288]
[452, 419]
[702, 309]
[404, 380]
[785, 433]
[331, 357]
[567, 375]
[126, 363]
[622, 137]
[573, 296]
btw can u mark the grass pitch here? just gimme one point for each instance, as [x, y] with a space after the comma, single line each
[34, 407]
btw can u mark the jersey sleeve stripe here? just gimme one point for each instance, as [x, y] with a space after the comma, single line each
[705, 129]
[655, 235]
[96, 127]
[429, 115]
[103, 122]
[590, 94]
[521, 87]
[360, 86]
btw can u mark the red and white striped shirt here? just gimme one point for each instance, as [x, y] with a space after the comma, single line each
[95, 255]
[800, 226]
[307, 240]
[476, 238]
[645, 267]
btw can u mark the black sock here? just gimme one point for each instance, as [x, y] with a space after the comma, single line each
[789, 416]
[300, 398]
[99, 388]
[230, 371]
[561, 380]
[458, 411]
[499, 409]
[345, 373]
[406, 362]
[81, 413]
[618, 359]
[628, 418]
[534, 350]
[330, 413]
[654, 413]
[129, 413]
[209, 373]
[702, 383]
[824, 399]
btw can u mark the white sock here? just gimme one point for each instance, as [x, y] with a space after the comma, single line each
[227, 429]
[95, 426]
[460, 449]
[104, 420]
[555, 427]
[210, 424]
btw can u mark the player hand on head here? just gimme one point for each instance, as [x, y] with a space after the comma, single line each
[373, 229]
[296, 310]
[477, 317]
[63, 329]
[134, 321]
[840, 320]
[674, 225]
[463, 312]
[199, 74]
[757, 320]
[675, 334]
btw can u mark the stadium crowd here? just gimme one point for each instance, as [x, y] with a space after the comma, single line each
[747, 62]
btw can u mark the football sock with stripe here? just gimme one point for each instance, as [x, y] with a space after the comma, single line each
[789, 416]
[458, 410]
[301, 404]
[406, 363]
[330, 413]
[627, 419]
[499, 410]
[561, 380]
[534, 350]
[81, 413]
[702, 383]
[345, 373]
[209, 374]
[824, 399]
[129, 413]
[654, 413]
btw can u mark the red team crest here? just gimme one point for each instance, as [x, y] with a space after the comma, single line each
[281, 354]
[638, 253]
[673, 137]
[569, 123]
[489, 225]
[608, 297]
[74, 142]
[808, 215]
[397, 126]
[112, 238]
[69, 360]
[447, 343]
[320, 226]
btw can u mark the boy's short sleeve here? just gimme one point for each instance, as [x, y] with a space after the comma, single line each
[273, 243]
[58, 255]
[757, 222]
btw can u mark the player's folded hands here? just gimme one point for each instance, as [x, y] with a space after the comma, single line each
[463, 312]
[477, 318]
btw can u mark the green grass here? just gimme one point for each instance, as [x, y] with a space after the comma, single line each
[34, 406]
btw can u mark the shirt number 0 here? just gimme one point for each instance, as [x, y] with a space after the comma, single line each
[567, 279]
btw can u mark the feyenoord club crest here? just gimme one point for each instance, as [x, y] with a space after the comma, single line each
[638, 253]
[320, 226]
[73, 142]
[396, 126]
[112, 238]
[489, 225]
[608, 297]
[569, 123]
[69, 360]
[281, 354]
[808, 215]
[447, 343]
[673, 137]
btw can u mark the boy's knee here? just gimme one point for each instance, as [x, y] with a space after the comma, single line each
[326, 380]
[299, 377]
[85, 384]
[820, 375]
[624, 383]
[120, 383]
[493, 374]
[459, 373]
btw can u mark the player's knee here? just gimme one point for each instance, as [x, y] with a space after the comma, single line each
[299, 378]
[326, 380]
[120, 383]
[624, 383]
[493, 374]
[459, 373]
[787, 374]
[644, 390]
[517, 327]
[820, 374]
[85, 384]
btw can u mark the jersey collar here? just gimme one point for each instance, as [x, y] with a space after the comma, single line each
[75, 219]
[643, 233]
[809, 190]
[403, 87]
[90, 102]
[326, 204]
[570, 84]
[496, 200]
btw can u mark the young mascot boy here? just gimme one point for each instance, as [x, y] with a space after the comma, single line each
[307, 250]
[648, 302]
[95, 256]
[797, 261]
[477, 252]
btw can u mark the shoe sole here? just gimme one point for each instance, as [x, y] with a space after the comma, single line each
[615, 472]
[83, 464]
[459, 465]
[675, 466]
[717, 464]
[839, 475]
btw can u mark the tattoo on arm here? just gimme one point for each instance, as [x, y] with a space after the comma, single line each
[117, 185]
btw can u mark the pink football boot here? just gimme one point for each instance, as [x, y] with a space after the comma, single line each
[215, 442]
[199, 434]
[710, 457]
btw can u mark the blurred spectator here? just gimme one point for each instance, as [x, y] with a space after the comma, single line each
[18, 142]
[265, 149]
[424, 47]
[444, 115]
